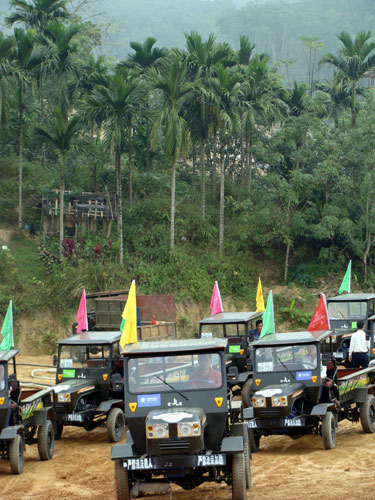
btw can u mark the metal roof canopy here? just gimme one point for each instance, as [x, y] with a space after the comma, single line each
[173, 346]
[348, 297]
[230, 317]
[89, 338]
[7, 355]
[304, 337]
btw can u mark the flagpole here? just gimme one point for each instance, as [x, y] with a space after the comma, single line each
[350, 276]
[11, 315]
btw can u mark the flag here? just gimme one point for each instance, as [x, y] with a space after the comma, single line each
[216, 302]
[129, 315]
[345, 285]
[268, 318]
[320, 319]
[82, 314]
[259, 298]
[7, 329]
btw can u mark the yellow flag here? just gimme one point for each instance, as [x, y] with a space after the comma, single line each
[129, 314]
[260, 301]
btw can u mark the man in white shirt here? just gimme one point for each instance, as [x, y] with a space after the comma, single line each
[358, 350]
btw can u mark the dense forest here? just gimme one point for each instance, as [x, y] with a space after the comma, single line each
[222, 167]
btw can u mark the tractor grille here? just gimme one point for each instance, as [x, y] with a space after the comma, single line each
[269, 413]
[60, 407]
[174, 445]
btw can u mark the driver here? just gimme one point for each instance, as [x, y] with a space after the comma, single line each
[309, 361]
[205, 374]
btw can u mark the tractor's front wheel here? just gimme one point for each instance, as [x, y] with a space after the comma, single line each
[16, 455]
[122, 482]
[238, 477]
[115, 425]
[329, 431]
[46, 440]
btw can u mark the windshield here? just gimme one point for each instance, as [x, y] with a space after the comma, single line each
[223, 330]
[93, 356]
[286, 358]
[2, 377]
[347, 310]
[182, 372]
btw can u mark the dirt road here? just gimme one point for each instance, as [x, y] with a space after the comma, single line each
[283, 469]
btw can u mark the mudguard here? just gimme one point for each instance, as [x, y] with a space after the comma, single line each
[11, 432]
[40, 416]
[105, 406]
[360, 394]
[232, 444]
[242, 377]
[320, 410]
[248, 413]
[119, 451]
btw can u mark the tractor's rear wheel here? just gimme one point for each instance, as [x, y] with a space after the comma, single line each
[46, 440]
[329, 431]
[238, 477]
[115, 425]
[254, 440]
[367, 414]
[122, 482]
[246, 393]
[16, 455]
[247, 455]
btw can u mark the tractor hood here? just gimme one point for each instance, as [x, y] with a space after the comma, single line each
[279, 390]
[76, 385]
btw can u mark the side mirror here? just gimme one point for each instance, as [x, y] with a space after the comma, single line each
[54, 360]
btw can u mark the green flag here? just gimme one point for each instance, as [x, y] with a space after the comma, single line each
[268, 318]
[7, 330]
[345, 285]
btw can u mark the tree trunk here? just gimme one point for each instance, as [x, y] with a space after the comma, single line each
[203, 176]
[20, 160]
[119, 195]
[221, 210]
[288, 245]
[131, 165]
[148, 152]
[173, 199]
[214, 168]
[354, 113]
[61, 203]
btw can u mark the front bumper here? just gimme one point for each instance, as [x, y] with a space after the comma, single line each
[174, 462]
[279, 423]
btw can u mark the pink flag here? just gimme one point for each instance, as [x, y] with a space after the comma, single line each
[216, 303]
[320, 319]
[82, 314]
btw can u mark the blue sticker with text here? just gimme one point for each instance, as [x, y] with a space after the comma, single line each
[304, 375]
[145, 400]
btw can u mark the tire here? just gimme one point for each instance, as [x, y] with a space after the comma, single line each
[367, 414]
[329, 431]
[115, 425]
[238, 477]
[246, 393]
[46, 440]
[254, 441]
[16, 455]
[122, 482]
[247, 455]
[59, 430]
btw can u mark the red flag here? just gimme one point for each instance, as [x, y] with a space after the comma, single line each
[82, 314]
[320, 319]
[216, 303]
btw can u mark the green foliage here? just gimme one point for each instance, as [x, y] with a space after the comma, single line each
[295, 315]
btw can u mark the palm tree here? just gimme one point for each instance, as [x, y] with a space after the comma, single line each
[354, 59]
[338, 90]
[60, 134]
[226, 90]
[6, 69]
[145, 56]
[112, 104]
[36, 14]
[23, 58]
[173, 91]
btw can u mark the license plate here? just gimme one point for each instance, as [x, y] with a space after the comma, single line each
[138, 464]
[73, 417]
[252, 424]
[295, 422]
[204, 460]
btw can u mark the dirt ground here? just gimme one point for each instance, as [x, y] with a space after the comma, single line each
[283, 469]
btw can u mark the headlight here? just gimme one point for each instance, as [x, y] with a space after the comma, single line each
[185, 429]
[63, 397]
[260, 402]
[279, 401]
[157, 431]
